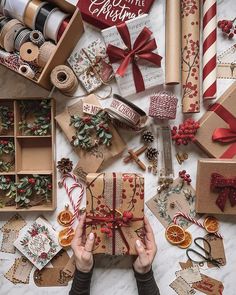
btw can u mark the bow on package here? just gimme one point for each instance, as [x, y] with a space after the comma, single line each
[226, 187]
[142, 49]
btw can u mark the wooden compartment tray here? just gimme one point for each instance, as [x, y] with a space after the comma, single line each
[33, 155]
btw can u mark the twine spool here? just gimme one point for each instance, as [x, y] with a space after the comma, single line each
[37, 38]
[45, 52]
[26, 71]
[21, 38]
[8, 25]
[64, 79]
[9, 39]
[29, 52]
[31, 12]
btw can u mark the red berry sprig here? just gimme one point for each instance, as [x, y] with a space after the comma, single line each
[186, 132]
[185, 176]
[227, 27]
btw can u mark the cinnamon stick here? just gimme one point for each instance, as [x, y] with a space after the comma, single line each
[137, 160]
[137, 153]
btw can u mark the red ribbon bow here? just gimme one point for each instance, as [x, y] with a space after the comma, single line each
[142, 49]
[226, 187]
[225, 135]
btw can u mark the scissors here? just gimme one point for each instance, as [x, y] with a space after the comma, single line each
[205, 258]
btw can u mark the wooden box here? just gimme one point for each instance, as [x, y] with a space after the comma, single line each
[66, 44]
[34, 154]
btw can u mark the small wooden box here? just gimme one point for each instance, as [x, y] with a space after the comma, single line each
[33, 154]
[66, 44]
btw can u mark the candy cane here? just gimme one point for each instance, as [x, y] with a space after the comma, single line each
[189, 218]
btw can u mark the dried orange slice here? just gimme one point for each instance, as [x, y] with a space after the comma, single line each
[211, 224]
[64, 217]
[175, 234]
[187, 241]
[65, 237]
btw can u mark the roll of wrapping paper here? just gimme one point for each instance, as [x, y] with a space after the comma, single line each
[190, 15]
[29, 52]
[64, 79]
[173, 42]
[209, 49]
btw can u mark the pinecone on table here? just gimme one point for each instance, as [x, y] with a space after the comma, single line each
[151, 154]
[64, 166]
[148, 136]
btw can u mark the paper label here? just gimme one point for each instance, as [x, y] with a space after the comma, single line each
[181, 287]
[22, 270]
[190, 275]
[90, 109]
[209, 286]
[9, 237]
[217, 249]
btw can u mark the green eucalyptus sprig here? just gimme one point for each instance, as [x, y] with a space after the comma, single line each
[86, 126]
[8, 186]
[5, 166]
[6, 119]
[7, 147]
[42, 123]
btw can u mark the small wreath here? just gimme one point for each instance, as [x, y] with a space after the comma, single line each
[91, 131]
[6, 119]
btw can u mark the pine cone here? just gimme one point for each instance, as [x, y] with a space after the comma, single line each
[64, 166]
[147, 136]
[152, 153]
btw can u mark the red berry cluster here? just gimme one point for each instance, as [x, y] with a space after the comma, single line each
[4, 142]
[186, 132]
[227, 27]
[185, 177]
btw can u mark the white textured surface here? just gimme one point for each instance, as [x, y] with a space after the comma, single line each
[114, 275]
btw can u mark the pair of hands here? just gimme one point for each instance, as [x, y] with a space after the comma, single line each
[83, 251]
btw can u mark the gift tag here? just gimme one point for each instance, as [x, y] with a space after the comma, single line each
[9, 275]
[60, 260]
[16, 223]
[226, 71]
[209, 286]
[70, 267]
[22, 270]
[190, 275]
[9, 237]
[228, 56]
[90, 109]
[50, 277]
[181, 287]
[186, 264]
[217, 249]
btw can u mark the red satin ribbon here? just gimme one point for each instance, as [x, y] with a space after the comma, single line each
[226, 187]
[225, 135]
[142, 49]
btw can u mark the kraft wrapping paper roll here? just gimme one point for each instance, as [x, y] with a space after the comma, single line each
[190, 15]
[173, 42]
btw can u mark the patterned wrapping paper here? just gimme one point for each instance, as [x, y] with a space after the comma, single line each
[91, 65]
[190, 14]
[125, 193]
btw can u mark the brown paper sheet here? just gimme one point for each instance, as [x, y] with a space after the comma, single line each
[173, 42]
[190, 14]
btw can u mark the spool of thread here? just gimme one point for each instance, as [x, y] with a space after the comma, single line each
[29, 52]
[31, 12]
[37, 38]
[9, 39]
[45, 52]
[64, 79]
[16, 8]
[21, 37]
[26, 71]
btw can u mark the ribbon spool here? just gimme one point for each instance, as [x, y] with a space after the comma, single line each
[64, 79]
[31, 12]
[45, 52]
[42, 16]
[29, 52]
[62, 28]
[6, 25]
[26, 71]
[21, 37]
[37, 38]
[16, 8]
[128, 114]
[9, 39]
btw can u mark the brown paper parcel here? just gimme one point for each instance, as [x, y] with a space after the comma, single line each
[206, 199]
[90, 161]
[210, 121]
[125, 193]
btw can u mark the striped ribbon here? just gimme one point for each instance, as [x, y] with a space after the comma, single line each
[209, 49]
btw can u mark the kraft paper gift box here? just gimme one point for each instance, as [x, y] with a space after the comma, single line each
[216, 186]
[92, 160]
[115, 205]
[217, 132]
[133, 53]
[91, 65]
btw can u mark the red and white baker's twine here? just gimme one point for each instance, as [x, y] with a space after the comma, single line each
[69, 191]
[189, 218]
[209, 48]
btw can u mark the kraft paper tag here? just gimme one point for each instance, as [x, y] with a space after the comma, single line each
[9, 275]
[186, 264]
[60, 260]
[190, 275]
[22, 270]
[16, 223]
[9, 237]
[70, 267]
[91, 109]
[209, 286]
[226, 71]
[50, 277]
[181, 287]
[217, 249]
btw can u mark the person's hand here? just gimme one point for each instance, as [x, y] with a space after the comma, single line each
[83, 252]
[147, 252]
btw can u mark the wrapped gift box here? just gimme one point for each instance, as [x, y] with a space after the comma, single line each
[115, 205]
[135, 71]
[217, 132]
[91, 65]
[212, 194]
[107, 13]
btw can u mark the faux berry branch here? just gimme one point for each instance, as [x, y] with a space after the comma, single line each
[8, 186]
[6, 119]
[28, 186]
[42, 123]
[87, 126]
[7, 147]
[185, 177]
[185, 133]
[227, 27]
